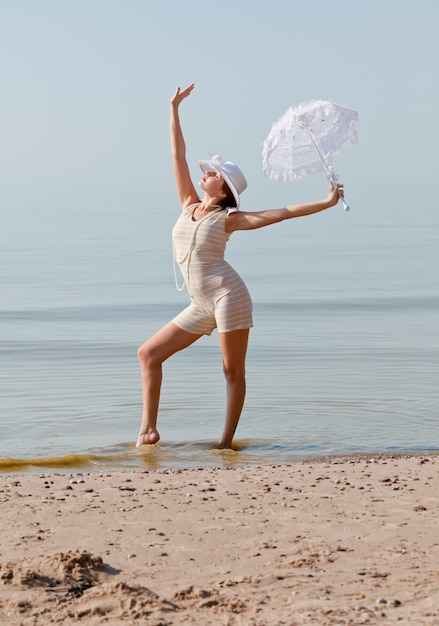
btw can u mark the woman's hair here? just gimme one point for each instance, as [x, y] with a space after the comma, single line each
[229, 201]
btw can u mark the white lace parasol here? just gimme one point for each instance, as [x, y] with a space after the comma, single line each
[305, 140]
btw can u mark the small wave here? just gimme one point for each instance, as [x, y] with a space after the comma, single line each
[72, 461]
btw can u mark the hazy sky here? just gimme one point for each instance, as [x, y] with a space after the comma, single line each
[86, 84]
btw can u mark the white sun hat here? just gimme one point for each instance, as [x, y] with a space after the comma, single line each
[231, 173]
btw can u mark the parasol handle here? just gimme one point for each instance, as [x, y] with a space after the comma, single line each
[346, 207]
[331, 174]
[334, 177]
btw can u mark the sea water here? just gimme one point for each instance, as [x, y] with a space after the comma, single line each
[343, 357]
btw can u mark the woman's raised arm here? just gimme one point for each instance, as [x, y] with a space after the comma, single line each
[187, 193]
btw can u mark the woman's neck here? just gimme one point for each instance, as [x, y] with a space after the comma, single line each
[208, 205]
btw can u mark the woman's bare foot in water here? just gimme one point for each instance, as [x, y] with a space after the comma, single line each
[149, 437]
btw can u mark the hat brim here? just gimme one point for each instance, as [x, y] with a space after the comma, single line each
[208, 166]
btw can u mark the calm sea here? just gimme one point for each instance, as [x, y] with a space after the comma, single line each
[343, 357]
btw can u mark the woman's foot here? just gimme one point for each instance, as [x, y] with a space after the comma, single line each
[149, 437]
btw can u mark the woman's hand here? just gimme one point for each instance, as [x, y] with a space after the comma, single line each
[335, 193]
[180, 95]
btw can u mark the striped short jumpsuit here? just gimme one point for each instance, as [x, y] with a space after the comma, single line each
[219, 297]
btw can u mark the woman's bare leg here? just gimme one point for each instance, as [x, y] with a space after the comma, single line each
[234, 350]
[166, 342]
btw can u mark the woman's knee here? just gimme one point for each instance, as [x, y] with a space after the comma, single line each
[234, 373]
[145, 354]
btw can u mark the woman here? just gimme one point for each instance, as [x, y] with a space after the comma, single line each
[219, 297]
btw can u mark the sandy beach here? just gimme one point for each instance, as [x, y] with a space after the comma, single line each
[347, 541]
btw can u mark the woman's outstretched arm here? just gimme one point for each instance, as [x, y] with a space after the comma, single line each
[243, 220]
[187, 193]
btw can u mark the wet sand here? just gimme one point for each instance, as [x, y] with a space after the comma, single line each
[330, 542]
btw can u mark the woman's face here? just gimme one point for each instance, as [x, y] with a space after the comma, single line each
[212, 183]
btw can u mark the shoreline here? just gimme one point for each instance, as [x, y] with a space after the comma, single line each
[92, 463]
[328, 541]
